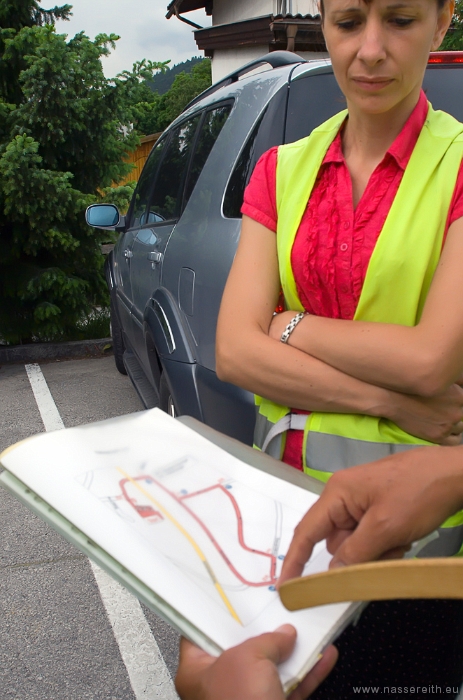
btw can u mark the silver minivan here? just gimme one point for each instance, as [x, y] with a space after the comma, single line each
[176, 244]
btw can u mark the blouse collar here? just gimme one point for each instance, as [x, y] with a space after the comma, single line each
[402, 147]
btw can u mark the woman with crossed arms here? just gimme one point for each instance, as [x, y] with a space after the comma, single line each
[361, 224]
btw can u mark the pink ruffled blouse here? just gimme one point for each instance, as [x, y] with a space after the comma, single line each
[334, 241]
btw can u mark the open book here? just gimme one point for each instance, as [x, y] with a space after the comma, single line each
[195, 533]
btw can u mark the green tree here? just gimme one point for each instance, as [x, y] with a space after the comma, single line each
[186, 87]
[162, 82]
[155, 115]
[64, 133]
[453, 40]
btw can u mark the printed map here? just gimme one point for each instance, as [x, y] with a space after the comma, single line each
[224, 536]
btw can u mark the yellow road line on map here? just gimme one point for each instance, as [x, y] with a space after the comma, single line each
[186, 534]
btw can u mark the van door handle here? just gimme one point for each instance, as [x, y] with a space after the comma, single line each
[155, 257]
[128, 254]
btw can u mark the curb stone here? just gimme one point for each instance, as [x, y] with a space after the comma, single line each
[34, 352]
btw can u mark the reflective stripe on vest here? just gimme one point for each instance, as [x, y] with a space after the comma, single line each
[448, 543]
[398, 278]
[331, 453]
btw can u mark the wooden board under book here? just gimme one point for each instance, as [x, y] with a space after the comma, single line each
[381, 580]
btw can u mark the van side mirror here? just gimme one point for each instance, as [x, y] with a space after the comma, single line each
[102, 216]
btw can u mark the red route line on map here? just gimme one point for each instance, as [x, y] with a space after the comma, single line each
[273, 561]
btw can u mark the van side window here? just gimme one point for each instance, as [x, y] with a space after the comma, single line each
[145, 185]
[267, 132]
[166, 200]
[212, 125]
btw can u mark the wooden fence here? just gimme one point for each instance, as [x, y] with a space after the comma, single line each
[139, 157]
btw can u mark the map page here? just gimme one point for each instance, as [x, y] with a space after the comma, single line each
[202, 529]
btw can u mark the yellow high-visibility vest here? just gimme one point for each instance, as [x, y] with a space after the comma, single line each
[396, 285]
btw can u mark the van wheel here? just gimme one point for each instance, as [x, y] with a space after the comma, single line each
[166, 401]
[118, 340]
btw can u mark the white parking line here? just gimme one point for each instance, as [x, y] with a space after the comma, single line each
[149, 676]
[47, 407]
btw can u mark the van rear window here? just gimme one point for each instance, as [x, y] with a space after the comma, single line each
[313, 98]
[443, 86]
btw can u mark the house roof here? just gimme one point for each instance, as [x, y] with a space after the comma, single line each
[177, 6]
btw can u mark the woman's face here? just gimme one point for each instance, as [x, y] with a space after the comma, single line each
[380, 50]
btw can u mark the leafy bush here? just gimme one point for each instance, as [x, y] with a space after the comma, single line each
[155, 115]
[65, 131]
[453, 40]
[95, 325]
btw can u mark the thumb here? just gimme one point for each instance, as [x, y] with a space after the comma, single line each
[275, 646]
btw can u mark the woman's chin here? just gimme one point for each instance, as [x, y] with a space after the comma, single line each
[379, 102]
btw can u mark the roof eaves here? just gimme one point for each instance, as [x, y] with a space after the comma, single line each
[297, 17]
[277, 32]
[177, 6]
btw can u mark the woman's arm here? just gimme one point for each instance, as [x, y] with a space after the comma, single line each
[422, 360]
[248, 357]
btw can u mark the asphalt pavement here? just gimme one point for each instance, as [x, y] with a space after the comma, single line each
[56, 639]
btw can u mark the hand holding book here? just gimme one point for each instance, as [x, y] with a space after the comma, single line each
[248, 670]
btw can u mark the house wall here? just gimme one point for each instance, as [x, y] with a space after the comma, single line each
[304, 7]
[226, 11]
[226, 61]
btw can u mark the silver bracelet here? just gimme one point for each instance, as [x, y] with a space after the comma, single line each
[291, 326]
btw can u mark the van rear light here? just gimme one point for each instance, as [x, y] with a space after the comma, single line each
[446, 57]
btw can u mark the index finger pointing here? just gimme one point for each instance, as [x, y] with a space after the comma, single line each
[315, 526]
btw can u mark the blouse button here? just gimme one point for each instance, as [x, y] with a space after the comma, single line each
[346, 225]
[343, 247]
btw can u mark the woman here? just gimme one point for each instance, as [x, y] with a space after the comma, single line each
[389, 381]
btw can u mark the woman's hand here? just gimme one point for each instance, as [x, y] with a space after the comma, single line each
[246, 672]
[438, 419]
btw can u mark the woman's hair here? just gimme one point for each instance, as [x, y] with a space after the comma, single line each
[440, 4]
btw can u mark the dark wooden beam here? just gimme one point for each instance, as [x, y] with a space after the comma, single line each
[293, 33]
